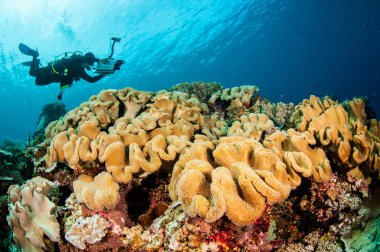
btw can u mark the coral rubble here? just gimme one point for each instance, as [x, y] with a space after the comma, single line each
[198, 168]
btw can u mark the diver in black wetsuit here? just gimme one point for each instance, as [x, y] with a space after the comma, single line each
[64, 71]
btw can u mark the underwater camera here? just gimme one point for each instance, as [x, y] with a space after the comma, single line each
[109, 65]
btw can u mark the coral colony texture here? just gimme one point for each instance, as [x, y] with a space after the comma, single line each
[201, 168]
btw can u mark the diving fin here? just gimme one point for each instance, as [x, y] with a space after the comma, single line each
[27, 63]
[27, 50]
[35, 62]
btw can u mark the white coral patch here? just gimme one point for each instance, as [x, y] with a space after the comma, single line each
[90, 229]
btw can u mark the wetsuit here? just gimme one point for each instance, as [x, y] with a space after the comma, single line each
[64, 71]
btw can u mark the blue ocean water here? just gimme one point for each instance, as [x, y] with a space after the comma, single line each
[289, 49]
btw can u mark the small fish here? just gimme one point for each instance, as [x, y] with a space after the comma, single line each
[277, 122]
[262, 136]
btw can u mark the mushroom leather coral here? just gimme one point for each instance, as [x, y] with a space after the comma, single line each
[299, 157]
[133, 101]
[339, 131]
[99, 193]
[159, 132]
[374, 132]
[102, 110]
[31, 215]
[243, 93]
[309, 109]
[357, 109]
[211, 193]
[250, 126]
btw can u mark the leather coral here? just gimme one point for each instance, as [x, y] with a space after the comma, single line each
[99, 193]
[339, 130]
[31, 215]
[212, 192]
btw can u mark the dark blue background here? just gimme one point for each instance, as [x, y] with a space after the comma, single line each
[312, 47]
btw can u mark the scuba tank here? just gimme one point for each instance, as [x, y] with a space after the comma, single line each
[56, 64]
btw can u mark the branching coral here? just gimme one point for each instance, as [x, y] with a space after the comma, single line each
[31, 215]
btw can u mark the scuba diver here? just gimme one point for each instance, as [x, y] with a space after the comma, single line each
[69, 68]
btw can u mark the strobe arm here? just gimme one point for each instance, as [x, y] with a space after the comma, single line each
[114, 40]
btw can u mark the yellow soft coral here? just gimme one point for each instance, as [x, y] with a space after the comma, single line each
[336, 129]
[99, 193]
[243, 93]
[160, 132]
[211, 193]
[309, 109]
[357, 109]
[250, 126]
[133, 101]
[299, 157]
[147, 159]
[220, 169]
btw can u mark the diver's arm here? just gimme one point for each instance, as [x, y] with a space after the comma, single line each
[91, 79]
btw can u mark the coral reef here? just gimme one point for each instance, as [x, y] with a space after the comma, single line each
[199, 168]
[363, 234]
